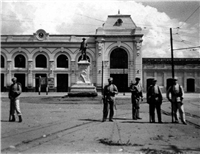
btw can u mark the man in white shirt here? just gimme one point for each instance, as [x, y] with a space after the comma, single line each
[176, 99]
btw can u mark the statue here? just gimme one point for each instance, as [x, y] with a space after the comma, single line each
[83, 48]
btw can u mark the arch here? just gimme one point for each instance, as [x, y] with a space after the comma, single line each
[190, 85]
[17, 50]
[37, 51]
[2, 62]
[124, 46]
[41, 61]
[62, 61]
[20, 61]
[118, 58]
[63, 51]
[89, 53]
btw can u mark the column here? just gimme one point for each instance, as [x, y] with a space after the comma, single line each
[99, 62]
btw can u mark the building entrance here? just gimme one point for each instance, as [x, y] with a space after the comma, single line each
[21, 79]
[119, 68]
[121, 81]
[2, 82]
[44, 79]
[62, 82]
[190, 85]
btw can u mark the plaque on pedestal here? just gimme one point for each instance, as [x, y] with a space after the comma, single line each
[83, 86]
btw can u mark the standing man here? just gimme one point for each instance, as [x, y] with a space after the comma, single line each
[176, 99]
[136, 97]
[154, 98]
[83, 48]
[109, 93]
[14, 92]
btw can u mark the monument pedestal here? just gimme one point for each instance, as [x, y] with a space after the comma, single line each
[83, 86]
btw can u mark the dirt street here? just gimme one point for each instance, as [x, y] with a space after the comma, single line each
[52, 124]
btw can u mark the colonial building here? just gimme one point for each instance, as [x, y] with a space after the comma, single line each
[186, 69]
[114, 50]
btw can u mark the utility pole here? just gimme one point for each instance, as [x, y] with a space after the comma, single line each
[172, 59]
[172, 56]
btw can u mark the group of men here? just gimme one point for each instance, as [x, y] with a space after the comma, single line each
[175, 95]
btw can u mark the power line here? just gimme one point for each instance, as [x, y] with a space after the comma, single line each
[190, 16]
[188, 48]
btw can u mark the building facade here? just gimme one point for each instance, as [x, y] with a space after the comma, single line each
[186, 69]
[114, 50]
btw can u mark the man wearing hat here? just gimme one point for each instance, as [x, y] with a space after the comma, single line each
[14, 92]
[109, 93]
[176, 99]
[136, 97]
[154, 99]
[83, 48]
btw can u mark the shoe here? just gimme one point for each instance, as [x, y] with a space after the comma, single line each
[139, 118]
[176, 121]
[184, 123]
[20, 118]
[103, 120]
[160, 122]
[110, 120]
[13, 118]
[134, 118]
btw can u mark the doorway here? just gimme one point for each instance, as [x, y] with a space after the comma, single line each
[43, 85]
[62, 82]
[169, 83]
[21, 79]
[190, 85]
[121, 81]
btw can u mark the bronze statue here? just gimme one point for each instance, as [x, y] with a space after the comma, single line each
[83, 48]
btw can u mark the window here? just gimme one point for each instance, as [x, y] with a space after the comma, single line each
[20, 61]
[2, 62]
[41, 61]
[62, 61]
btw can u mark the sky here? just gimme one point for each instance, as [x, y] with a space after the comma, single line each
[85, 16]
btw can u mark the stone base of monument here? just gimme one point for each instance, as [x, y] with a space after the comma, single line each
[83, 90]
[83, 86]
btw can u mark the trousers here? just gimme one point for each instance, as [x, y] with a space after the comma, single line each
[135, 108]
[178, 109]
[15, 106]
[154, 105]
[106, 106]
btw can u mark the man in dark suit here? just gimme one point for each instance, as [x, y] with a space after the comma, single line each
[154, 98]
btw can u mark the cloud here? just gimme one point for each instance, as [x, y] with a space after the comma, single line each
[84, 17]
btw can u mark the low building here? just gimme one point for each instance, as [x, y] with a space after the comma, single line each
[186, 69]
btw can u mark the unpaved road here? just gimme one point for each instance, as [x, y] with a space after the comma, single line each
[70, 125]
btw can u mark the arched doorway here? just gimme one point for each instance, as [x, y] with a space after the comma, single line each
[190, 85]
[119, 69]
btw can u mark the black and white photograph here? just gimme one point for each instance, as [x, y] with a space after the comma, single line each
[100, 76]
